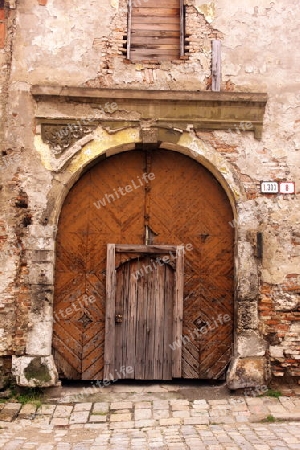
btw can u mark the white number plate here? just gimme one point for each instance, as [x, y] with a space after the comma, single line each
[287, 187]
[269, 187]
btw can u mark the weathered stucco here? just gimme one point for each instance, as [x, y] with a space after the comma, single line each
[81, 44]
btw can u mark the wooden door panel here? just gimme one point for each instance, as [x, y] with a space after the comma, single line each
[146, 305]
[184, 205]
[83, 250]
[195, 210]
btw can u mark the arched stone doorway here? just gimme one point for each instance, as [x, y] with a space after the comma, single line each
[156, 197]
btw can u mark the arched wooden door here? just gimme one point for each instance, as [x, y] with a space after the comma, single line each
[157, 197]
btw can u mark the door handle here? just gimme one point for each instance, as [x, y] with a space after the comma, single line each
[119, 318]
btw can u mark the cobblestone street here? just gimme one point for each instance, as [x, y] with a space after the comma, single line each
[236, 422]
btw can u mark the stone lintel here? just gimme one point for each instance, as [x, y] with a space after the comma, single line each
[202, 110]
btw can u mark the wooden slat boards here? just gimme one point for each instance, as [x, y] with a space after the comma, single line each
[216, 65]
[155, 30]
[144, 314]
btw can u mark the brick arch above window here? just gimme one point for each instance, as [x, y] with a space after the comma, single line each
[155, 30]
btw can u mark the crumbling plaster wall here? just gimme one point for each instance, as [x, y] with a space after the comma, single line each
[81, 44]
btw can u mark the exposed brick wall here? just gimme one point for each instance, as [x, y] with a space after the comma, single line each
[279, 312]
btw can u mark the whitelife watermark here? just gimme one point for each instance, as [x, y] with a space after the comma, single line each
[167, 259]
[76, 306]
[256, 391]
[122, 191]
[204, 329]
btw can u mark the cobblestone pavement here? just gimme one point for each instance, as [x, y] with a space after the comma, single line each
[234, 423]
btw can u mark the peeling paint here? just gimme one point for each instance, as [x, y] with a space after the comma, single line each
[103, 141]
[207, 9]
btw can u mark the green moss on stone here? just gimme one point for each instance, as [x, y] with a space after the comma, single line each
[38, 371]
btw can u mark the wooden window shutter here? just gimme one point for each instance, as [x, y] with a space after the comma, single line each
[155, 32]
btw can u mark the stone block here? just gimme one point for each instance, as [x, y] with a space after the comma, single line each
[143, 405]
[42, 330]
[83, 407]
[79, 417]
[250, 343]
[46, 410]
[121, 405]
[59, 421]
[246, 372]
[145, 423]
[34, 371]
[141, 414]
[63, 411]
[120, 417]
[170, 421]
[276, 352]
[122, 425]
[98, 418]
[101, 407]
[10, 412]
[196, 421]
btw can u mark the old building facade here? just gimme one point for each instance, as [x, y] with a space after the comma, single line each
[137, 240]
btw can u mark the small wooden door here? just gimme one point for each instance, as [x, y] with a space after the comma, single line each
[144, 313]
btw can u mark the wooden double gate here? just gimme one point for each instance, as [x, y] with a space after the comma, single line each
[144, 271]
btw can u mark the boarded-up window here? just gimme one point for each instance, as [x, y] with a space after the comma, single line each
[155, 30]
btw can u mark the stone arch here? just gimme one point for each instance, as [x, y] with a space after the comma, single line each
[107, 144]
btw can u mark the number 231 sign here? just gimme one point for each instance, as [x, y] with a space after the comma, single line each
[275, 187]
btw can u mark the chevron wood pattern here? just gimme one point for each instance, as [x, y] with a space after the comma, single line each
[183, 204]
[188, 206]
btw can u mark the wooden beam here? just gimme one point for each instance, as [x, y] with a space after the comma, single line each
[216, 65]
[109, 345]
[178, 312]
[129, 21]
[124, 248]
[182, 29]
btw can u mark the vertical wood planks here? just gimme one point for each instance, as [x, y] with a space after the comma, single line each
[216, 65]
[129, 21]
[144, 338]
[141, 327]
[169, 287]
[120, 308]
[109, 348]
[182, 29]
[178, 310]
[154, 30]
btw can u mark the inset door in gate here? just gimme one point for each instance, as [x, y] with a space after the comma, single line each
[144, 312]
[180, 203]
